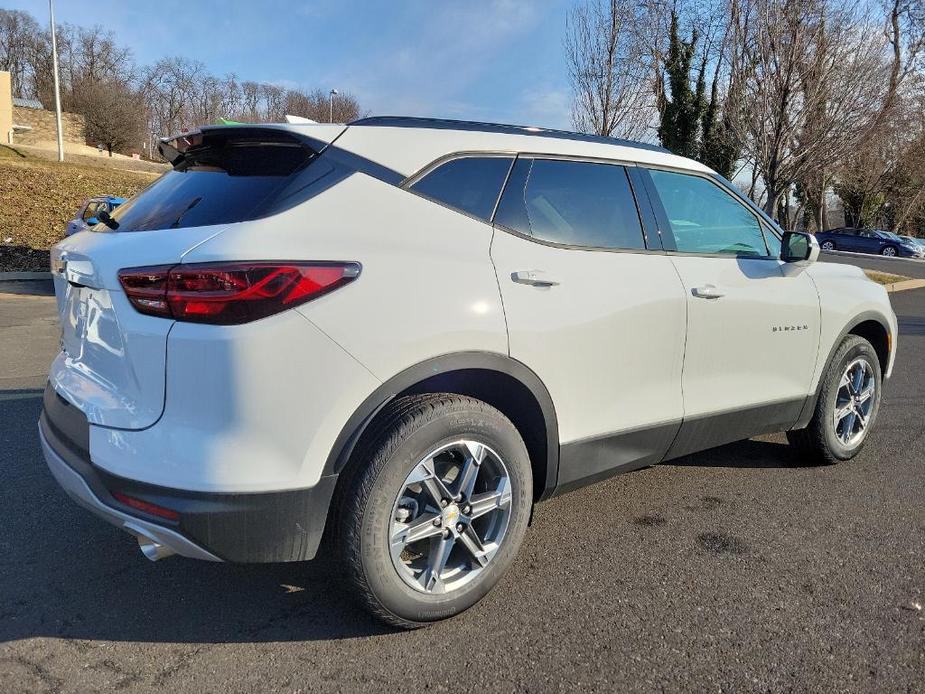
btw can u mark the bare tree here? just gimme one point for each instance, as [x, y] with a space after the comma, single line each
[18, 32]
[609, 70]
[111, 114]
[821, 79]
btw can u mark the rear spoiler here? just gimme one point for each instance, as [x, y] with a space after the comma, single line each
[314, 137]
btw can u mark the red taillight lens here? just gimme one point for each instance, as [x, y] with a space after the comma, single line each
[146, 506]
[230, 293]
[146, 288]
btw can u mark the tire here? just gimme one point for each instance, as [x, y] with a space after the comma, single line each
[381, 502]
[826, 441]
[827, 246]
[889, 251]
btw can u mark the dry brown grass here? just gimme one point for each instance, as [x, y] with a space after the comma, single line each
[38, 197]
[884, 277]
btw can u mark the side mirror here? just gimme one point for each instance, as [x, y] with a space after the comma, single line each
[92, 221]
[798, 247]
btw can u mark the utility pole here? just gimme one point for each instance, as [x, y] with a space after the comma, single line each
[54, 62]
[332, 95]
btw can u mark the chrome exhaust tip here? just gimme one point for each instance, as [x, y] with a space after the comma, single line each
[153, 550]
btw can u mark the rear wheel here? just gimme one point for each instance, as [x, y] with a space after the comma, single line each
[828, 246]
[847, 407]
[889, 251]
[435, 509]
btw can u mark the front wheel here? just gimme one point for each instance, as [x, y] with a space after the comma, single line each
[435, 509]
[847, 407]
[888, 251]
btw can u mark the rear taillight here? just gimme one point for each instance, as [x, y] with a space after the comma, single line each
[230, 293]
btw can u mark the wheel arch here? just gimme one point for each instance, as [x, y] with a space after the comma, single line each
[874, 328]
[876, 333]
[504, 383]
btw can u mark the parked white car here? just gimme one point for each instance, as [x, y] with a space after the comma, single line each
[405, 332]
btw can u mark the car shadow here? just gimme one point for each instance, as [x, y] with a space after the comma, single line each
[67, 574]
[750, 454]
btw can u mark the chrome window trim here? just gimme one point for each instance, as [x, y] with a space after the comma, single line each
[410, 181]
[447, 158]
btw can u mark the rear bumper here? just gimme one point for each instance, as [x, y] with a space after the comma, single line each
[78, 489]
[255, 527]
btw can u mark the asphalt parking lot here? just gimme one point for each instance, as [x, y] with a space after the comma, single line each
[728, 570]
[909, 267]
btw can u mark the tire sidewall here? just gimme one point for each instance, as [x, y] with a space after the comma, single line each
[382, 578]
[854, 348]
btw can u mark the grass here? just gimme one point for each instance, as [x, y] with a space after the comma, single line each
[884, 277]
[38, 197]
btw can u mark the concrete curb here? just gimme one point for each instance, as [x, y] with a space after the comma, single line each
[24, 276]
[903, 286]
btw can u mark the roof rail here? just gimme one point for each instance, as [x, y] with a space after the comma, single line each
[475, 126]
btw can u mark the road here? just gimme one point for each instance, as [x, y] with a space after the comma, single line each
[728, 570]
[909, 267]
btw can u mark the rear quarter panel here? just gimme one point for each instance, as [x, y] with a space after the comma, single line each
[427, 285]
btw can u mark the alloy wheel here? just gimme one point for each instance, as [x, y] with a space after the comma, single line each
[450, 517]
[854, 402]
[888, 251]
[828, 246]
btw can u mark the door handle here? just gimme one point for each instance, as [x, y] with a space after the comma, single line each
[707, 291]
[533, 278]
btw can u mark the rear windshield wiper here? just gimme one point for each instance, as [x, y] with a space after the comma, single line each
[107, 219]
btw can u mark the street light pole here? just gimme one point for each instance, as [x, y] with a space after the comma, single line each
[332, 95]
[54, 62]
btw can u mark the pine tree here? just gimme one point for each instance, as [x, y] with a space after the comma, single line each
[684, 107]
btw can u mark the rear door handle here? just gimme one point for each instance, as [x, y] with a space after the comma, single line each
[533, 278]
[707, 291]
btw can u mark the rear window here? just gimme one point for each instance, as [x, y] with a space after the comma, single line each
[224, 178]
[470, 184]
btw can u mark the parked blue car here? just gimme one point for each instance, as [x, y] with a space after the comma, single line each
[874, 241]
[87, 216]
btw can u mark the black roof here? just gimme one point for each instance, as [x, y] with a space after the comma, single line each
[474, 126]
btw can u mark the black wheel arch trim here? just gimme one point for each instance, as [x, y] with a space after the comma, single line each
[867, 316]
[445, 364]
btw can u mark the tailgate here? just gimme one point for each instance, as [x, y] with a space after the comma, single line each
[112, 363]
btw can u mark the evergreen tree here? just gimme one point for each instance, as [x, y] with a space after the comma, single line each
[684, 107]
[718, 145]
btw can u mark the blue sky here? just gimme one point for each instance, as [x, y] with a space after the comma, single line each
[496, 60]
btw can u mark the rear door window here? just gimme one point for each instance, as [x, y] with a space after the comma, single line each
[470, 184]
[572, 203]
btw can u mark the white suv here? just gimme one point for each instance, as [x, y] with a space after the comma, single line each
[402, 333]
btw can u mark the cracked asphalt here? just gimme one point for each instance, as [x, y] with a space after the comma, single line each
[727, 570]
